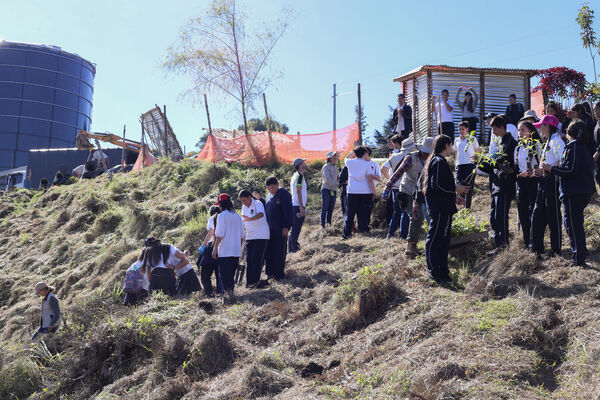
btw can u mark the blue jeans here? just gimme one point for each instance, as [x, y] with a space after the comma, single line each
[297, 221]
[399, 218]
[328, 197]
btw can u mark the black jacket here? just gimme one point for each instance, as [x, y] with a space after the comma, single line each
[407, 115]
[576, 172]
[514, 112]
[279, 210]
[503, 173]
[441, 189]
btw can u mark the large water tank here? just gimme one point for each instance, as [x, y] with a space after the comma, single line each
[45, 98]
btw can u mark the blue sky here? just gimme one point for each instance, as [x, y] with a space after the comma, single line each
[329, 41]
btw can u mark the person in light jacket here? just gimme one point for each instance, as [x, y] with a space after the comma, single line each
[329, 187]
[50, 310]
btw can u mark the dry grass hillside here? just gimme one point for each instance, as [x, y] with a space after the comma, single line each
[353, 319]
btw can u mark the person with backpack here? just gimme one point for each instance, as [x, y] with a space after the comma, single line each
[279, 216]
[161, 276]
[257, 236]
[206, 264]
[136, 284]
[50, 318]
[229, 239]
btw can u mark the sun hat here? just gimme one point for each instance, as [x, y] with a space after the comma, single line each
[529, 114]
[298, 161]
[40, 286]
[331, 154]
[426, 146]
[547, 119]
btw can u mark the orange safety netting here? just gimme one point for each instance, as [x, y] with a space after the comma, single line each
[537, 103]
[262, 148]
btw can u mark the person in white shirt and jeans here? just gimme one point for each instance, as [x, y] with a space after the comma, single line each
[298, 189]
[257, 236]
[447, 124]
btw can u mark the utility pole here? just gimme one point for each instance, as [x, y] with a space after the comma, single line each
[360, 132]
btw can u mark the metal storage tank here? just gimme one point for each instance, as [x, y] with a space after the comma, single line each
[45, 98]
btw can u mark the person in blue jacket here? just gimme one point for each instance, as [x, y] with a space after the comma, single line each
[280, 217]
[576, 175]
[440, 196]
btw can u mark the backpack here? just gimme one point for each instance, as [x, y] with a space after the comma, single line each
[133, 281]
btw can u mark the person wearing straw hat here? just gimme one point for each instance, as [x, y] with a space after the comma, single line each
[50, 318]
[399, 217]
[329, 187]
[530, 116]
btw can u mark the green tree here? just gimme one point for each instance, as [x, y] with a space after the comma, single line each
[585, 19]
[378, 139]
[261, 125]
[221, 57]
[363, 119]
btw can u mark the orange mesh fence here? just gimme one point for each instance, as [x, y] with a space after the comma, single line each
[537, 103]
[145, 159]
[262, 148]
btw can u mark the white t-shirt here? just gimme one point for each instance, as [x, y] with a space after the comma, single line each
[358, 169]
[400, 125]
[522, 155]
[174, 261]
[495, 140]
[259, 228]
[464, 150]
[210, 224]
[447, 116]
[393, 163]
[298, 180]
[97, 156]
[230, 228]
[145, 281]
[510, 128]
[555, 150]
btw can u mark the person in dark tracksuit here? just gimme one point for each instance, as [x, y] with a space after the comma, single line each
[597, 141]
[344, 189]
[503, 179]
[576, 185]
[279, 216]
[440, 196]
[526, 160]
[546, 211]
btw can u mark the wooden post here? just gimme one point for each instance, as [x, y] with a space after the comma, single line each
[166, 131]
[481, 106]
[527, 93]
[269, 134]
[123, 153]
[143, 145]
[207, 115]
[429, 106]
[415, 110]
[360, 133]
[266, 112]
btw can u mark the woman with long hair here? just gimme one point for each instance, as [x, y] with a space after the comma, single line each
[468, 106]
[553, 108]
[134, 298]
[161, 277]
[440, 195]
[576, 185]
[50, 318]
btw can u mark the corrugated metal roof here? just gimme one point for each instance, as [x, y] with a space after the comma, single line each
[446, 68]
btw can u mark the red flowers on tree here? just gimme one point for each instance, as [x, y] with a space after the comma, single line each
[562, 82]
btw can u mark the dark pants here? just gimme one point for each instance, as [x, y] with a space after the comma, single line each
[546, 212]
[389, 209]
[573, 207]
[297, 221]
[492, 206]
[227, 267]
[465, 175]
[255, 258]
[447, 129]
[472, 123]
[328, 198]
[206, 270]
[275, 255]
[526, 194]
[399, 217]
[343, 199]
[437, 245]
[163, 279]
[359, 205]
[188, 283]
[501, 208]
[598, 172]
[132, 299]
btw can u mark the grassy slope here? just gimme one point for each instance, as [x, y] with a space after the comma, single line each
[512, 327]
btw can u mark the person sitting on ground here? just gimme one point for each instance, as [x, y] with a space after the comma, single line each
[257, 236]
[135, 298]
[229, 239]
[206, 264]
[279, 216]
[329, 187]
[50, 318]
[160, 275]
[101, 160]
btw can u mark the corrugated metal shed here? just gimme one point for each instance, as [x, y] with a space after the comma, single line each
[493, 86]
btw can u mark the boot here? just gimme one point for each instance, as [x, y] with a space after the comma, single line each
[411, 250]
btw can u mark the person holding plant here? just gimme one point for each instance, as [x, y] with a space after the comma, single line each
[440, 195]
[468, 106]
[465, 147]
[546, 211]
[576, 185]
[50, 310]
[526, 160]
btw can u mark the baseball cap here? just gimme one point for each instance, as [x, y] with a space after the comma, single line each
[547, 119]
[222, 197]
[298, 161]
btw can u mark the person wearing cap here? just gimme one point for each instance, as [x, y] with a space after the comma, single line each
[257, 236]
[299, 191]
[399, 216]
[531, 116]
[360, 190]
[446, 127]
[546, 211]
[206, 263]
[227, 250]
[465, 148]
[406, 178]
[576, 174]
[156, 265]
[50, 318]
[468, 106]
[329, 187]
[403, 125]
[514, 111]
[279, 213]
[503, 180]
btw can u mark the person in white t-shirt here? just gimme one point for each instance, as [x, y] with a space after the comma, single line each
[161, 275]
[447, 108]
[187, 280]
[465, 148]
[206, 263]
[257, 236]
[298, 189]
[101, 159]
[229, 239]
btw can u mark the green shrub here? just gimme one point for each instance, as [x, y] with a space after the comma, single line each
[19, 379]
[108, 221]
[463, 223]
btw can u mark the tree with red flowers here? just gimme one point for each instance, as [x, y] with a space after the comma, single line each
[562, 83]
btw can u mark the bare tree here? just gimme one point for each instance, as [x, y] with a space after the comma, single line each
[585, 19]
[221, 57]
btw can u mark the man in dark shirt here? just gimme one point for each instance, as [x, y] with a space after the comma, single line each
[514, 111]
[403, 126]
[279, 213]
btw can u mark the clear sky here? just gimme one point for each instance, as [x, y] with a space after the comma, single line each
[329, 41]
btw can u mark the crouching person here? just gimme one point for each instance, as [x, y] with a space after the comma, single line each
[50, 310]
[161, 277]
[187, 280]
[136, 284]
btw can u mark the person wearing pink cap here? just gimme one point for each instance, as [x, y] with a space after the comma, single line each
[546, 211]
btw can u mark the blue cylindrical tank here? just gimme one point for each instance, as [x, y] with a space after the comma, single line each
[45, 98]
